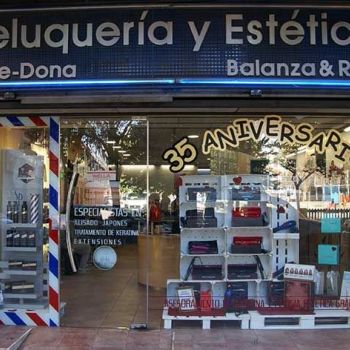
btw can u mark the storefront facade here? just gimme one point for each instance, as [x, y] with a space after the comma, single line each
[125, 107]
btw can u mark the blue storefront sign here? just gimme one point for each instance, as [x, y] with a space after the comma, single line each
[176, 46]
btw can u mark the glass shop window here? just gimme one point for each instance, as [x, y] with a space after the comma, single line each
[24, 184]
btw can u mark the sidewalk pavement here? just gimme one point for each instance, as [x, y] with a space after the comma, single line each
[42, 338]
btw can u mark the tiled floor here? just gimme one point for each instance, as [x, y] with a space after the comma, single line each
[99, 302]
[8, 335]
[185, 339]
[110, 298]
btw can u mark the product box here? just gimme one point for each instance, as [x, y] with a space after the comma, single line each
[328, 254]
[299, 272]
[276, 293]
[299, 295]
[331, 225]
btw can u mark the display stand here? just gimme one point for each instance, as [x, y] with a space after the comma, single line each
[223, 234]
[21, 262]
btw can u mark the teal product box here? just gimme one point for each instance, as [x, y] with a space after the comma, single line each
[330, 225]
[328, 254]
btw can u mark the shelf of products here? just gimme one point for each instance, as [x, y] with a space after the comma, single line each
[235, 235]
[21, 236]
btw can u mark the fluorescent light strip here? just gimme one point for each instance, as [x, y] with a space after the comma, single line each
[137, 167]
[187, 167]
[184, 81]
[86, 82]
[315, 82]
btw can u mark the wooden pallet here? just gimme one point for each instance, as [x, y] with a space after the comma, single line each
[206, 320]
[321, 319]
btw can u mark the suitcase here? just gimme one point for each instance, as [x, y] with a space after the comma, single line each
[196, 219]
[242, 271]
[207, 272]
[246, 245]
[202, 247]
[247, 216]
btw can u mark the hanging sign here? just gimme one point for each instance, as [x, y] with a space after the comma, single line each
[272, 127]
[101, 225]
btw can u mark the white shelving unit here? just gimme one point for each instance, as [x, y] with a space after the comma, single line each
[280, 246]
[223, 233]
[18, 186]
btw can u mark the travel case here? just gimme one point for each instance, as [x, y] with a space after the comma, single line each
[207, 272]
[203, 247]
[246, 245]
[242, 271]
[195, 218]
[247, 216]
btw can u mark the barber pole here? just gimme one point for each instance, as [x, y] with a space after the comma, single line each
[54, 155]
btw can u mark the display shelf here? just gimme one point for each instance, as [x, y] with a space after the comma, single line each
[247, 230]
[230, 193]
[319, 319]
[22, 225]
[21, 187]
[202, 281]
[25, 305]
[232, 201]
[20, 296]
[192, 230]
[256, 280]
[208, 203]
[206, 320]
[20, 272]
[282, 235]
[250, 254]
[20, 249]
[199, 255]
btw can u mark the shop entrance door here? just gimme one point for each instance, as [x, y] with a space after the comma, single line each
[104, 235]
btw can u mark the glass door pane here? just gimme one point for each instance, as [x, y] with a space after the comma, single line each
[104, 226]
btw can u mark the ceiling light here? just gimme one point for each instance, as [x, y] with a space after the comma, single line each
[347, 129]
[189, 167]
[193, 136]
[111, 142]
[117, 147]
[137, 167]
[121, 151]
